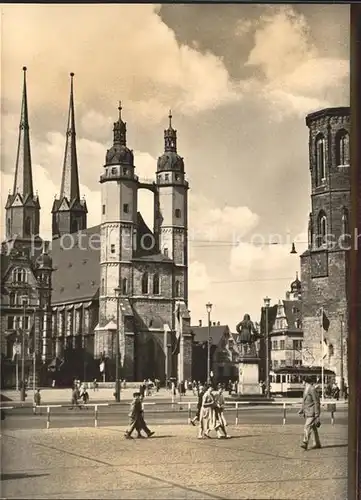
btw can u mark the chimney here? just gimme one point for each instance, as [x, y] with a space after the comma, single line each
[218, 323]
[200, 322]
[214, 323]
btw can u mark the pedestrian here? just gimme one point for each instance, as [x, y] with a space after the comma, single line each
[95, 385]
[345, 391]
[200, 394]
[75, 397]
[219, 410]
[311, 412]
[136, 416]
[207, 416]
[37, 401]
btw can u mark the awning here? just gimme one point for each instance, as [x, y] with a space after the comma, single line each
[71, 306]
[61, 308]
[78, 306]
[87, 304]
[55, 308]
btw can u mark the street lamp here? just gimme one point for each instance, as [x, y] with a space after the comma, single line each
[117, 353]
[267, 302]
[209, 309]
[22, 390]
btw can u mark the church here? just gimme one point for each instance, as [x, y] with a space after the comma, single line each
[68, 297]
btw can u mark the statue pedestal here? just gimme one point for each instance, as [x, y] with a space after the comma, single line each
[248, 376]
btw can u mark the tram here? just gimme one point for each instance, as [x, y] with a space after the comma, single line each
[288, 381]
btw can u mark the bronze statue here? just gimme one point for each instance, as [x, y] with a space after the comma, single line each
[247, 334]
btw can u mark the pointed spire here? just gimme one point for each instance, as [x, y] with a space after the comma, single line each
[70, 178]
[23, 180]
[120, 129]
[170, 136]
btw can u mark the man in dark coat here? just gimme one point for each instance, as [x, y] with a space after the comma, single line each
[136, 416]
[311, 409]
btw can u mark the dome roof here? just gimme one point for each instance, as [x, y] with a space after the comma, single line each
[296, 285]
[44, 261]
[170, 160]
[119, 153]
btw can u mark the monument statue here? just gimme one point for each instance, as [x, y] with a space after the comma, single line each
[247, 336]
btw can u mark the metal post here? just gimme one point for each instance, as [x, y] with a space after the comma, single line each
[209, 309]
[342, 389]
[48, 418]
[268, 389]
[236, 413]
[284, 413]
[22, 391]
[117, 353]
[332, 418]
[96, 416]
[34, 354]
[17, 372]
[189, 413]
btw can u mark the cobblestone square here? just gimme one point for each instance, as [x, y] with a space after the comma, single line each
[259, 462]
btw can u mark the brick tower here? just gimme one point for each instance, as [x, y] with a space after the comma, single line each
[324, 269]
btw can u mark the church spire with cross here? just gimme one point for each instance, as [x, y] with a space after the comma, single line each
[170, 136]
[22, 207]
[69, 211]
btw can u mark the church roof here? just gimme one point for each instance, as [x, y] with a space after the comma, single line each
[76, 263]
[217, 332]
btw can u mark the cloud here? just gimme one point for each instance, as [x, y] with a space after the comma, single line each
[121, 52]
[198, 278]
[294, 77]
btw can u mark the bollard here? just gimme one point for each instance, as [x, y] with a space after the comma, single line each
[48, 418]
[284, 413]
[189, 413]
[96, 416]
[237, 413]
[332, 418]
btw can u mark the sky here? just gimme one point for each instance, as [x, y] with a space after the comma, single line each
[240, 80]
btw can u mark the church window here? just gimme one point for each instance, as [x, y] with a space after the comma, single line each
[342, 148]
[322, 228]
[177, 289]
[177, 213]
[345, 222]
[124, 286]
[156, 289]
[103, 209]
[102, 289]
[320, 160]
[126, 208]
[112, 248]
[27, 228]
[145, 283]
[20, 275]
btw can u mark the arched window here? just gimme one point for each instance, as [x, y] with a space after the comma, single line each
[177, 289]
[27, 228]
[322, 228]
[342, 148]
[156, 290]
[102, 289]
[320, 160]
[345, 222]
[20, 275]
[124, 286]
[145, 283]
[310, 231]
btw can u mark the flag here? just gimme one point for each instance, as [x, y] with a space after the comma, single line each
[325, 322]
[178, 329]
[324, 349]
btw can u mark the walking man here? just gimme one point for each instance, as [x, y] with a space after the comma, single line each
[199, 405]
[136, 416]
[311, 411]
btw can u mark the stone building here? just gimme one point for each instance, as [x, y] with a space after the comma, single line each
[286, 335]
[119, 274]
[324, 268]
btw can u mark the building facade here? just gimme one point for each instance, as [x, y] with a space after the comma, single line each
[324, 265]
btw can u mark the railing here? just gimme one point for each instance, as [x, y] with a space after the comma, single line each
[236, 406]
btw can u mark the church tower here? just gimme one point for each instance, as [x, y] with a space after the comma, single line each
[118, 236]
[22, 206]
[69, 212]
[172, 217]
[324, 269]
